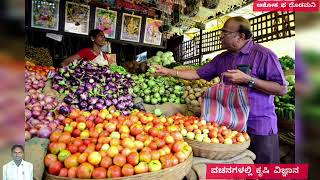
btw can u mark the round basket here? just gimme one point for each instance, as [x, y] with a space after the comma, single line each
[177, 172]
[217, 151]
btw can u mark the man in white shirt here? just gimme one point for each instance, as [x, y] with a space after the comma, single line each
[17, 169]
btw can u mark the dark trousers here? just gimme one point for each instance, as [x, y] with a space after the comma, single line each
[266, 148]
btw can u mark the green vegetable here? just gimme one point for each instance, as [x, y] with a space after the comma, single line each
[159, 53]
[285, 105]
[158, 89]
[156, 95]
[118, 69]
[165, 59]
[147, 91]
[154, 101]
[171, 100]
[151, 83]
[144, 86]
[164, 99]
[161, 91]
[152, 70]
[157, 112]
[147, 99]
[287, 62]
[290, 79]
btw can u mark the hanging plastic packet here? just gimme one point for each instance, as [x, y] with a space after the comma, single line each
[50, 74]
[106, 48]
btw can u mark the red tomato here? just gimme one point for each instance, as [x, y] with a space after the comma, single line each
[49, 158]
[72, 172]
[83, 157]
[55, 168]
[63, 172]
[99, 173]
[84, 171]
[72, 148]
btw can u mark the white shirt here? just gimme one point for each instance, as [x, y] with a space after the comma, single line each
[22, 172]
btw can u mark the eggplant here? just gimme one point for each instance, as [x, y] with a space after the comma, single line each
[112, 85]
[122, 98]
[125, 113]
[68, 100]
[120, 106]
[78, 74]
[58, 77]
[89, 67]
[113, 89]
[89, 86]
[79, 91]
[109, 79]
[99, 106]
[84, 96]
[107, 71]
[109, 96]
[131, 104]
[101, 101]
[55, 86]
[105, 88]
[64, 110]
[83, 104]
[126, 103]
[108, 102]
[114, 101]
[93, 100]
[90, 108]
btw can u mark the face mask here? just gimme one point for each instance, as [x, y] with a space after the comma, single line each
[17, 158]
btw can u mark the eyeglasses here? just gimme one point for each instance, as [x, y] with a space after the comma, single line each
[223, 31]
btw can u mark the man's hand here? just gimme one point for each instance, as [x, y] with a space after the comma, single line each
[161, 70]
[236, 76]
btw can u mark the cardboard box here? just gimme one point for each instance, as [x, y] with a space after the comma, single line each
[112, 58]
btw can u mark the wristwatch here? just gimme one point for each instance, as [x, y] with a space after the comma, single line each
[251, 83]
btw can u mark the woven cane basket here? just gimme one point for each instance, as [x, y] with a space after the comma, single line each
[217, 151]
[176, 172]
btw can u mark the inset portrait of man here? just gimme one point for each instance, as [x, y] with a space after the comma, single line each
[17, 169]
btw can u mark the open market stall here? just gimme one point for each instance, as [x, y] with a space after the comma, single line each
[124, 121]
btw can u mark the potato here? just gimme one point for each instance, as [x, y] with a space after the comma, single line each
[191, 97]
[195, 103]
[216, 80]
[191, 91]
[197, 94]
[188, 101]
[197, 89]
[185, 94]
